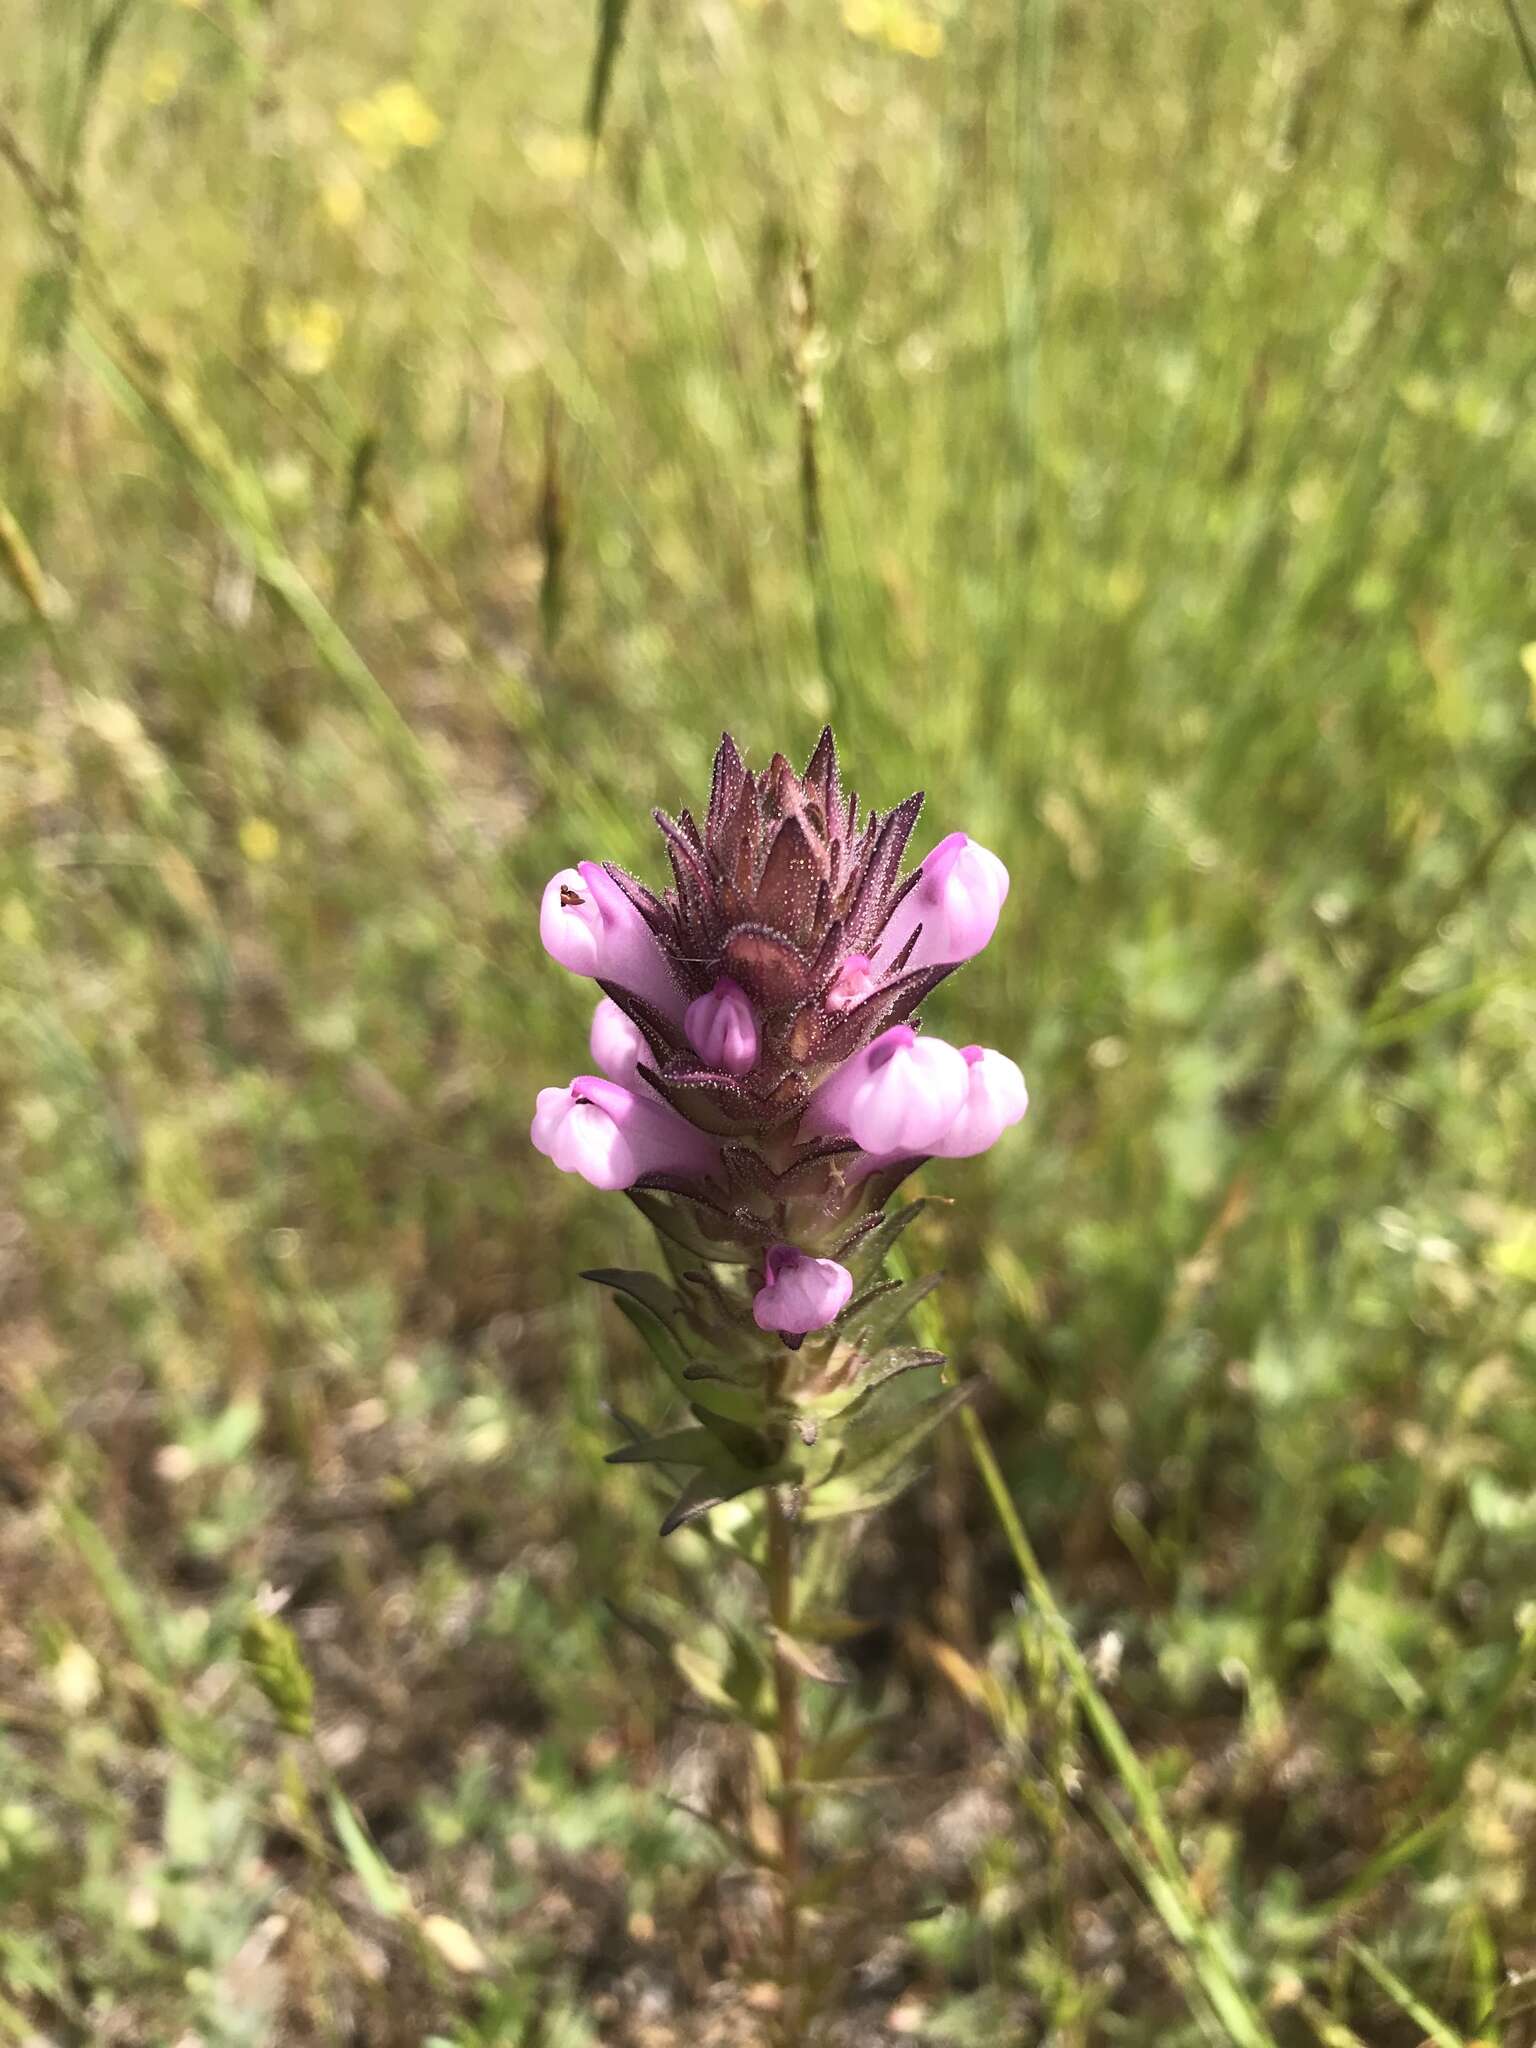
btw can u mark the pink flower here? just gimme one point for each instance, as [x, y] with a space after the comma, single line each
[957, 901]
[898, 1096]
[800, 1294]
[721, 1028]
[611, 1136]
[618, 1044]
[995, 1098]
[589, 925]
[854, 982]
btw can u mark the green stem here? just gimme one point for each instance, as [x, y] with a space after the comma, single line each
[780, 1577]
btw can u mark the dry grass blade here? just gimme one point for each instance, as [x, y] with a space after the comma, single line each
[162, 405]
[22, 564]
[167, 411]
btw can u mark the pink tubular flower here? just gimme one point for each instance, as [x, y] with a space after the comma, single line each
[611, 1136]
[897, 1097]
[995, 1098]
[618, 1044]
[589, 925]
[957, 901]
[800, 1294]
[721, 1028]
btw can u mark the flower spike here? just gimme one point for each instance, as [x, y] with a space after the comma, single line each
[763, 1089]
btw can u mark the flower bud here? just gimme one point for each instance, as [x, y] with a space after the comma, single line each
[995, 1098]
[617, 1044]
[800, 1294]
[854, 982]
[957, 900]
[897, 1097]
[611, 1136]
[721, 1028]
[589, 925]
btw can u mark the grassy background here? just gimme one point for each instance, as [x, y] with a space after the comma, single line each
[1118, 420]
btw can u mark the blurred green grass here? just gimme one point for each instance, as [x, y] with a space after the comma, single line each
[1119, 423]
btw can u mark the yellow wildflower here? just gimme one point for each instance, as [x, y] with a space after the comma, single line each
[307, 332]
[260, 841]
[162, 76]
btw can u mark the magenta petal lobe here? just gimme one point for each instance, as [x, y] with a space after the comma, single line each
[995, 1099]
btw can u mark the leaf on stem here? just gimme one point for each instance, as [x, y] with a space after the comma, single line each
[811, 1660]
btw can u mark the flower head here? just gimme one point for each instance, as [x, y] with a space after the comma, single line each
[765, 1088]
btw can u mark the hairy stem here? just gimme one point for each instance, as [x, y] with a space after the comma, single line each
[786, 1680]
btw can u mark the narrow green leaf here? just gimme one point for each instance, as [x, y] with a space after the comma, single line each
[679, 1447]
[837, 1498]
[648, 1303]
[869, 1331]
[703, 1674]
[875, 1445]
[703, 1492]
[870, 1254]
[825, 1761]
[386, 1893]
[120, 1591]
[649, 1632]
[825, 1625]
[647, 1288]
[886, 1365]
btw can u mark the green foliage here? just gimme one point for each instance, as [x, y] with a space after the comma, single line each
[1117, 419]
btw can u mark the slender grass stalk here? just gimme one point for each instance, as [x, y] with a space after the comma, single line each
[1435, 2028]
[1170, 1892]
